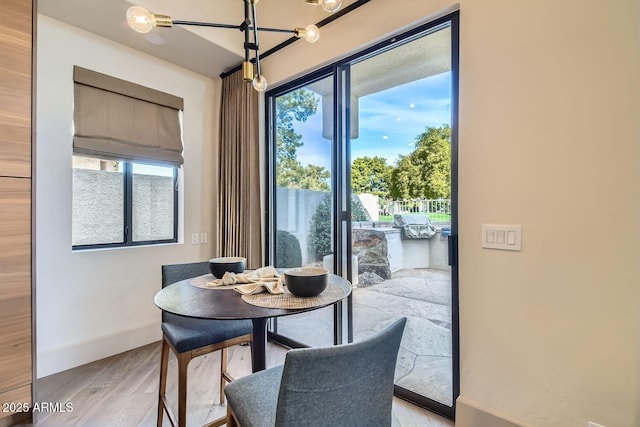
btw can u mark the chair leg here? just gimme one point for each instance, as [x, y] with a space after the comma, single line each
[183, 367]
[223, 371]
[164, 365]
[231, 418]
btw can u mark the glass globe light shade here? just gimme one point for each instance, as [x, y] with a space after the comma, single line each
[311, 33]
[330, 5]
[259, 83]
[140, 19]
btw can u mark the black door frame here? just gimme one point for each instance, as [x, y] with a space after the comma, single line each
[340, 179]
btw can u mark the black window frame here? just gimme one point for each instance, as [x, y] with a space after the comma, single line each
[127, 232]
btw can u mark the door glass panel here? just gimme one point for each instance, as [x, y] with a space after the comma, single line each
[303, 197]
[401, 179]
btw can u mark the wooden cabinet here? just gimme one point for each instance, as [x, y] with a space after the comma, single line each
[16, 342]
[15, 87]
[15, 288]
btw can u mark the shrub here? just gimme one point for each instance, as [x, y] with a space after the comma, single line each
[288, 253]
[320, 230]
[320, 227]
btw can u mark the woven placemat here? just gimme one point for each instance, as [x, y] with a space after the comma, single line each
[201, 282]
[288, 301]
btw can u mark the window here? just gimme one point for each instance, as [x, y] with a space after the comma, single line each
[119, 203]
[127, 147]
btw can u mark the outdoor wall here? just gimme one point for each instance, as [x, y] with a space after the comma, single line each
[294, 212]
[98, 200]
[370, 205]
[92, 304]
[549, 107]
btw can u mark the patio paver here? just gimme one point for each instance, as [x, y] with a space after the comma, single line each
[424, 297]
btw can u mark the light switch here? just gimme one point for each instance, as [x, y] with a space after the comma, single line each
[505, 237]
[490, 236]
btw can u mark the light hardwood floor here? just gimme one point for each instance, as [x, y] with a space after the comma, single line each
[122, 390]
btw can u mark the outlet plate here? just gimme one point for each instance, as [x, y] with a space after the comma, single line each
[195, 239]
[203, 238]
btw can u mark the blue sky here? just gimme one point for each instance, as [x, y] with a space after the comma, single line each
[389, 121]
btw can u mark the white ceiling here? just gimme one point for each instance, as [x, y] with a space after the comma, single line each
[208, 51]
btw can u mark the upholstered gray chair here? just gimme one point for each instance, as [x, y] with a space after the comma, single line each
[346, 385]
[189, 338]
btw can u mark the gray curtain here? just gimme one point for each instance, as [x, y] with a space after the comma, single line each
[239, 213]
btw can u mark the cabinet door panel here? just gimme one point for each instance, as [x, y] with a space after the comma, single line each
[15, 366]
[15, 277]
[15, 88]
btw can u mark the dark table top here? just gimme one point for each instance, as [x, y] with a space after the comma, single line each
[185, 299]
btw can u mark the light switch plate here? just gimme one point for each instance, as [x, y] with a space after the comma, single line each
[504, 237]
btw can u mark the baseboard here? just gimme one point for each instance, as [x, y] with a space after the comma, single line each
[79, 353]
[470, 414]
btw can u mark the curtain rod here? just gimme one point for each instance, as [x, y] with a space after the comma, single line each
[287, 42]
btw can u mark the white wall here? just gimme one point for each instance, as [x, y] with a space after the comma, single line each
[93, 304]
[549, 139]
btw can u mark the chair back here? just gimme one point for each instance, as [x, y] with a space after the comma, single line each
[346, 385]
[173, 273]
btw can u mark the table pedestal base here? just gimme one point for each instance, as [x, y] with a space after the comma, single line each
[259, 346]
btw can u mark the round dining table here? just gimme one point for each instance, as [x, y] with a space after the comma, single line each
[184, 299]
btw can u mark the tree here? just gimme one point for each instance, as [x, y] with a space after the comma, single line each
[426, 172]
[291, 174]
[296, 106]
[371, 175]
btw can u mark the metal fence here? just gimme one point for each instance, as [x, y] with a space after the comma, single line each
[438, 209]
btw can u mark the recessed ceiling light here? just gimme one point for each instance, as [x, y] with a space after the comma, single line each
[155, 38]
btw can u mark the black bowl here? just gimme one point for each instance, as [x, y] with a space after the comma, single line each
[219, 266]
[306, 281]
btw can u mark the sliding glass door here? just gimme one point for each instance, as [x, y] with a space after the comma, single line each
[362, 180]
[302, 213]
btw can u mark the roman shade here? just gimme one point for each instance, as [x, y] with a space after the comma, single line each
[118, 120]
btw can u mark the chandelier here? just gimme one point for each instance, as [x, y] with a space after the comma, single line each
[143, 21]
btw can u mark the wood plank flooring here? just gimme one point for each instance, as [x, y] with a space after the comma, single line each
[122, 390]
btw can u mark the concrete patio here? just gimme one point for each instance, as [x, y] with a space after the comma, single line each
[421, 295]
[424, 297]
